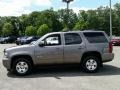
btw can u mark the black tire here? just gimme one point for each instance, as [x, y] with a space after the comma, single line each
[93, 67]
[17, 43]
[26, 62]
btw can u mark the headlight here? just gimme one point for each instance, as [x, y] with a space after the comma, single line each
[5, 53]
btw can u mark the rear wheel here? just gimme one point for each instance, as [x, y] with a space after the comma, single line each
[22, 66]
[91, 64]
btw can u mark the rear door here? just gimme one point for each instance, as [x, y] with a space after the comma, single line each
[73, 48]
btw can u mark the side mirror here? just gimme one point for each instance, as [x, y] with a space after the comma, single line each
[42, 44]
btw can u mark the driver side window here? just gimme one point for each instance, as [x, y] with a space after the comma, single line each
[53, 40]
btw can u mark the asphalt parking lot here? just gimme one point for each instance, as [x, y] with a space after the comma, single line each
[63, 78]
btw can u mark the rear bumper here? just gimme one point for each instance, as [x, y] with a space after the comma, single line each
[107, 57]
[6, 63]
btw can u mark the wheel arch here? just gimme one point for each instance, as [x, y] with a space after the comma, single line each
[21, 56]
[92, 53]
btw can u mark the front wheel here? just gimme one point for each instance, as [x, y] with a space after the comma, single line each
[91, 64]
[22, 66]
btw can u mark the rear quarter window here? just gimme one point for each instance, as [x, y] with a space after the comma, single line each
[95, 37]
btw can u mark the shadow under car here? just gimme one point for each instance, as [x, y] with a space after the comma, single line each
[68, 71]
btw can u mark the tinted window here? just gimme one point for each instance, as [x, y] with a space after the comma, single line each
[72, 38]
[53, 40]
[96, 37]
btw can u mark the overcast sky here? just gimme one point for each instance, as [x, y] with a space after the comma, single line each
[18, 7]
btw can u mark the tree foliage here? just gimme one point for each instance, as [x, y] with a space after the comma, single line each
[30, 31]
[40, 21]
[43, 29]
[65, 19]
[7, 29]
[81, 25]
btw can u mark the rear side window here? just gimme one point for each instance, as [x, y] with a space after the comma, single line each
[95, 37]
[72, 38]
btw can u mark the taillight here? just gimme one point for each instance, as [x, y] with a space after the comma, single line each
[110, 47]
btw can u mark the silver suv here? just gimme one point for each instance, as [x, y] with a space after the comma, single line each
[87, 48]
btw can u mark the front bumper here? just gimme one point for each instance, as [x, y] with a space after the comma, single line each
[107, 57]
[6, 63]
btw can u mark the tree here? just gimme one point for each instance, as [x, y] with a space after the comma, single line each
[81, 25]
[103, 14]
[116, 19]
[20, 33]
[72, 19]
[83, 16]
[43, 29]
[51, 18]
[92, 19]
[30, 31]
[15, 23]
[1, 25]
[65, 29]
[97, 19]
[7, 29]
[24, 22]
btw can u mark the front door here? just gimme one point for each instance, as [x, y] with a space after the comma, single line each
[51, 52]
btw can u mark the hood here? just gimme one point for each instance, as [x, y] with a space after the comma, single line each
[22, 47]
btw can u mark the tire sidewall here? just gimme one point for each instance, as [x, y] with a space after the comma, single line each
[85, 61]
[24, 60]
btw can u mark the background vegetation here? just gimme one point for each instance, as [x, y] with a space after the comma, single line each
[42, 22]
